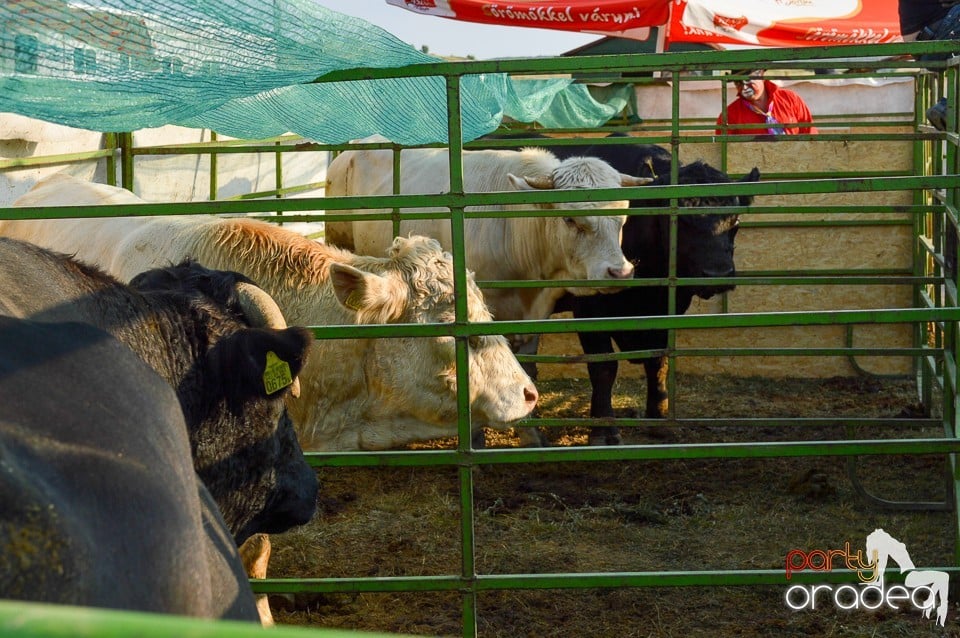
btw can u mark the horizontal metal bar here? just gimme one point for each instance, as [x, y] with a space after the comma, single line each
[55, 160]
[750, 422]
[702, 578]
[747, 279]
[39, 620]
[357, 585]
[705, 60]
[841, 272]
[289, 190]
[828, 223]
[448, 200]
[648, 211]
[726, 352]
[583, 580]
[678, 322]
[753, 449]
[234, 147]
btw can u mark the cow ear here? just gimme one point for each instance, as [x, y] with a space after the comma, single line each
[752, 176]
[369, 295]
[527, 183]
[260, 362]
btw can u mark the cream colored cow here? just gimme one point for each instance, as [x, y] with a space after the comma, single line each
[356, 393]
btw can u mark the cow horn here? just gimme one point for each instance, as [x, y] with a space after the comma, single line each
[263, 312]
[630, 180]
[539, 181]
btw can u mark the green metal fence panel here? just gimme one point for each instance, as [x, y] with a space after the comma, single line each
[931, 218]
[37, 620]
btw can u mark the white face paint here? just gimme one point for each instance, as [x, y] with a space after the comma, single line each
[747, 90]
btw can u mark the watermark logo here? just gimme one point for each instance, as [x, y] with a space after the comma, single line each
[924, 589]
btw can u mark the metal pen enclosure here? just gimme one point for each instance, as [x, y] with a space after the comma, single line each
[931, 217]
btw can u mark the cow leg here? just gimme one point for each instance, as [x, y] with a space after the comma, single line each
[255, 556]
[658, 403]
[603, 374]
[602, 377]
[477, 440]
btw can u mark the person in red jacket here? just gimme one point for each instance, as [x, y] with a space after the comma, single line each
[765, 106]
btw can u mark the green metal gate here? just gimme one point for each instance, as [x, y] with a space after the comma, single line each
[934, 314]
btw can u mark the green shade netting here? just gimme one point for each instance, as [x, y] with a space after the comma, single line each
[243, 68]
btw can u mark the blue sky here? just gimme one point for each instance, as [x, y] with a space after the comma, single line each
[453, 37]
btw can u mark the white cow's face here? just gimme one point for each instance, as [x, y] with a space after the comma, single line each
[590, 247]
[585, 247]
[416, 377]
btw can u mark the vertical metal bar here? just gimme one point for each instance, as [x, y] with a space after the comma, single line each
[673, 241]
[674, 202]
[919, 255]
[214, 161]
[951, 392]
[724, 155]
[468, 569]
[278, 176]
[110, 165]
[468, 593]
[126, 160]
[396, 190]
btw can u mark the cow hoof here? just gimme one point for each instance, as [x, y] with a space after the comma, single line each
[532, 437]
[606, 439]
[478, 440]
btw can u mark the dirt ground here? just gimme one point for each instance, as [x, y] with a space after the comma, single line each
[700, 514]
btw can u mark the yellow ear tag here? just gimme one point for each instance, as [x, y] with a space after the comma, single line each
[354, 300]
[276, 374]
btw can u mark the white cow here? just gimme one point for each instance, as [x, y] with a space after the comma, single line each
[356, 393]
[545, 248]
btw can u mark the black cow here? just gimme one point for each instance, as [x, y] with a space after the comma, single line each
[705, 246]
[99, 503]
[243, 443]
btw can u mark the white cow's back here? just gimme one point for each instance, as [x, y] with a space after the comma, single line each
[424, 172]
[496, 248]
[142, 242]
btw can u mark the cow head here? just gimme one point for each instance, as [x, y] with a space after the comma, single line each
[415, 393]
[588, 246]
[244, 446]
[705, 243]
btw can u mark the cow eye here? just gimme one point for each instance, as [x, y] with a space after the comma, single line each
[572, 224]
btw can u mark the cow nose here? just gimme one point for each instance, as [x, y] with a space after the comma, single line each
[530, 395]
[621, 273]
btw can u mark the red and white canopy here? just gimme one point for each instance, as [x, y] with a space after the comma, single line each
[785, 24]
[610, 17]
[722, 22]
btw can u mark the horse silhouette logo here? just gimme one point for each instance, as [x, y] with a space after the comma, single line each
[882, 547]
[924, 589]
